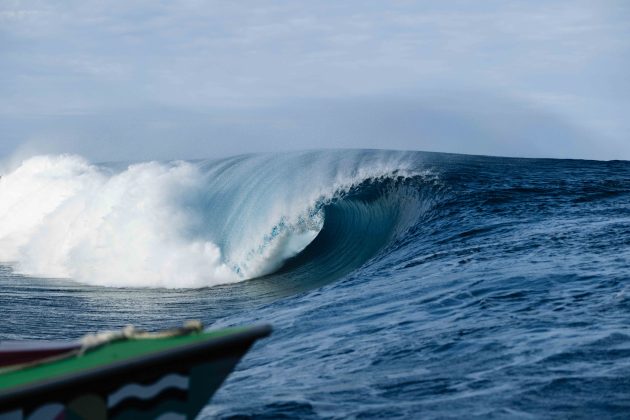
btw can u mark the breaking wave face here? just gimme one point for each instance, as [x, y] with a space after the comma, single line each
[204, 223]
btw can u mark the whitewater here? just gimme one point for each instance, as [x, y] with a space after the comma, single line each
[399, 284]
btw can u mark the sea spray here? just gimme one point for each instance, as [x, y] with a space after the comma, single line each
[72, 219]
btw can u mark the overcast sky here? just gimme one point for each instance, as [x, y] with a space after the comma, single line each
[133, 80]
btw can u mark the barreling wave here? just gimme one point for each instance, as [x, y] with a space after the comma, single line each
[308, 216]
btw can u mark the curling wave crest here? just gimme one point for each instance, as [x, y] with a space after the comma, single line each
[202, 223]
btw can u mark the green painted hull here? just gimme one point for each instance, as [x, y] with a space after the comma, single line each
[129, 379]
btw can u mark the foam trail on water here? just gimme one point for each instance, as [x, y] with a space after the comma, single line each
[176, 224]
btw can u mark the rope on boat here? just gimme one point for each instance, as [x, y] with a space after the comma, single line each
[93, 341]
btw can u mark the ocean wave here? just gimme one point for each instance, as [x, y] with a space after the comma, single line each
[204, 223]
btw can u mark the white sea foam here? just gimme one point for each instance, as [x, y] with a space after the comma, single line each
[63, 217]
[177, 224]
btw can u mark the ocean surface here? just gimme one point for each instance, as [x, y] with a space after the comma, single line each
[399, 284]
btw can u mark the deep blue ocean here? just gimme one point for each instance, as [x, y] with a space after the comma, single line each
[398, 284]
